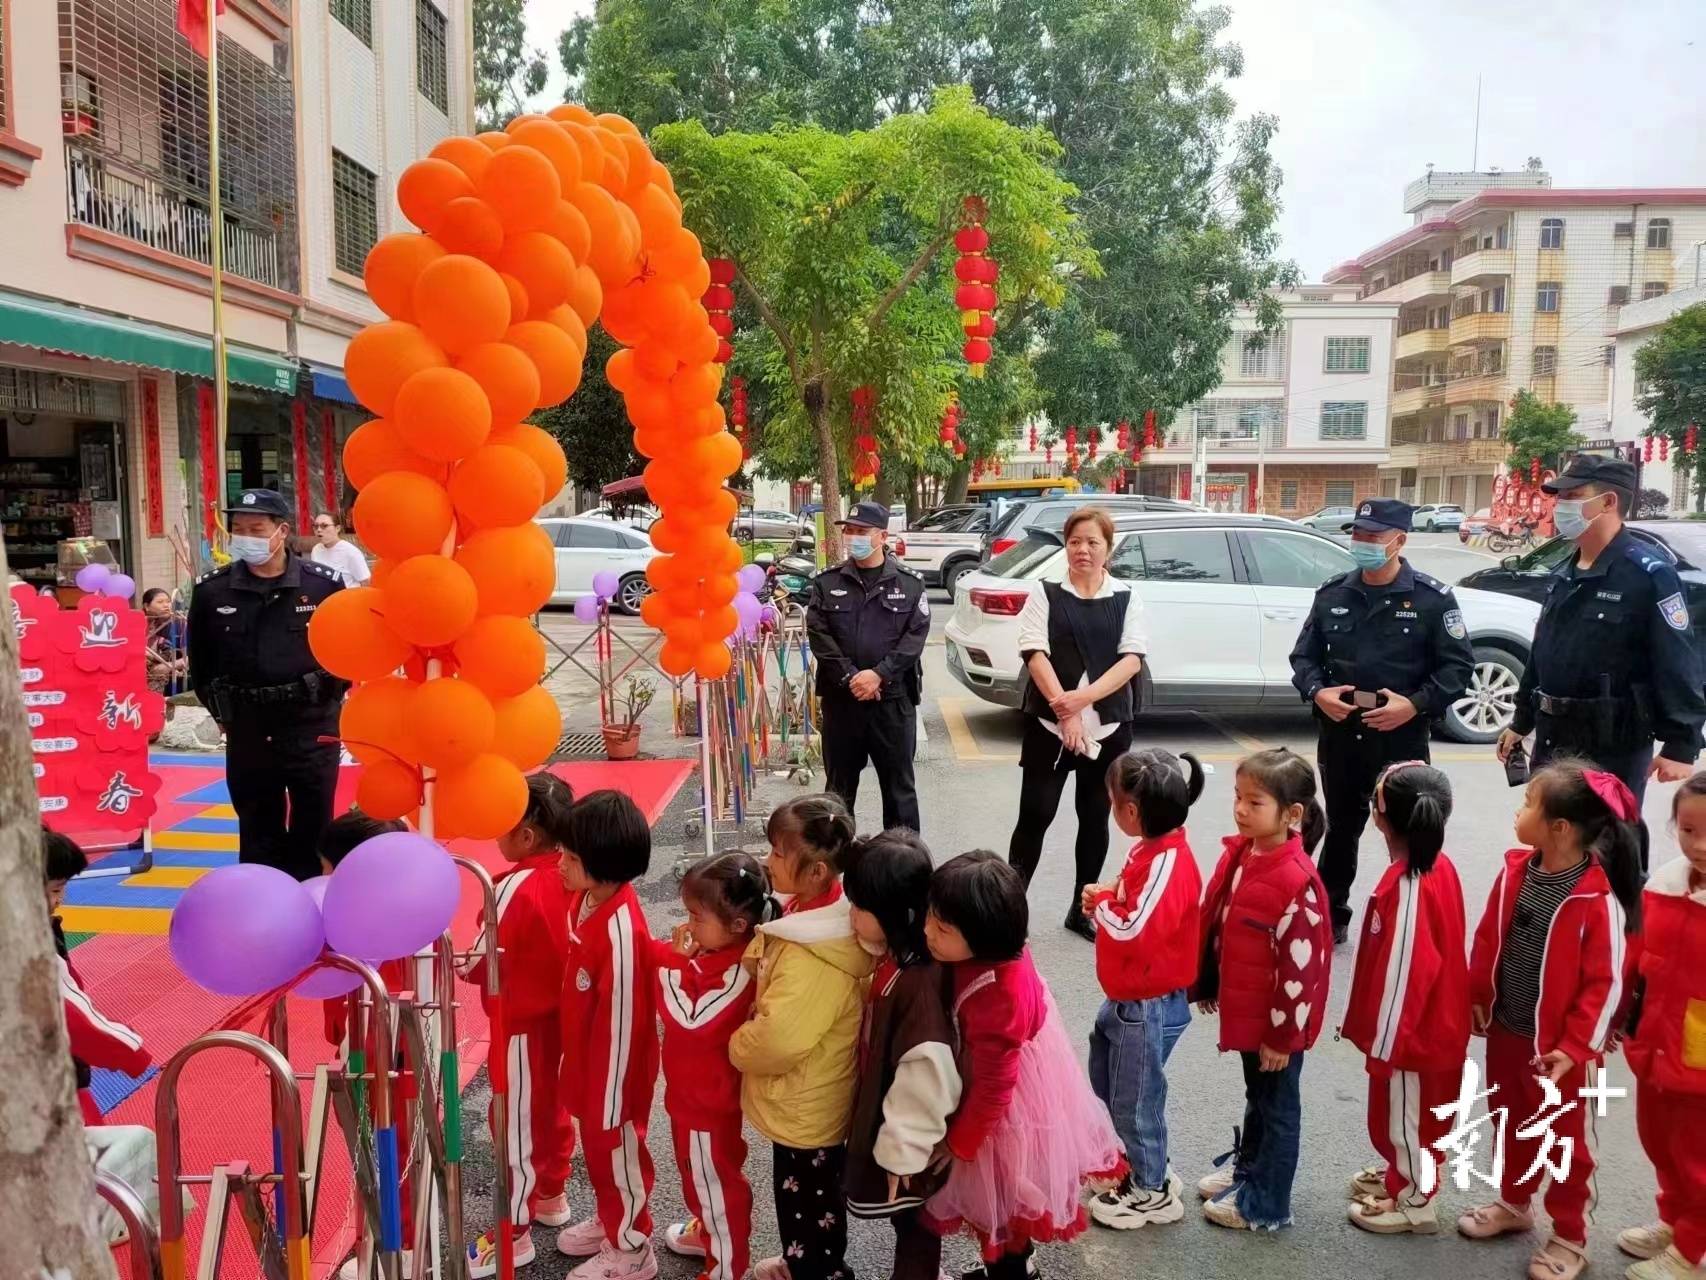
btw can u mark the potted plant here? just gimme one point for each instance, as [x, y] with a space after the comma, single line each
[622, 734]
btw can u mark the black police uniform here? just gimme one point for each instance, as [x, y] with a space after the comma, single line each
[1407, 636]
[878, 625]
[251, 667]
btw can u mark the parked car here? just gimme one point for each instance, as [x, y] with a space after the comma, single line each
[1225, 597]
[949, 519]
[634, 517]
[769, 526]
[1436, 515]
[1021, 515]
[586, 547]
[1474, 526]
[941, 551]
[1329, 519]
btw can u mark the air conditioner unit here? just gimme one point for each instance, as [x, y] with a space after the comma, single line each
[1623, 230]
[1618, 295]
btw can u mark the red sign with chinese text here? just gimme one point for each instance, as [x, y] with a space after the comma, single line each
[299, 462]
[153, 484]
[212, 466]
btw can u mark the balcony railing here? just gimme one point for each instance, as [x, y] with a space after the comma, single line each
[1483, 264]
[1421, 342]
[1480, 326]
[127, 201]
[1424, 284]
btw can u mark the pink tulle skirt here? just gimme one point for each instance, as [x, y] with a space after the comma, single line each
[1027, 1181]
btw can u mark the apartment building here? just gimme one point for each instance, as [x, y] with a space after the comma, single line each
[106, 394]
[1504, 283]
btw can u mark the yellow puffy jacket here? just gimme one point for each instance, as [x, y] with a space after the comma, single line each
[797, 1055]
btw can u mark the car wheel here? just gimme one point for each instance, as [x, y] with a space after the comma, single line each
[743, 533]
[1488, 705]
[951, 577]
[633, 589]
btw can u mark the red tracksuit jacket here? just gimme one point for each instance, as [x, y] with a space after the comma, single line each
[1668, 1048]
[533, 933]
[1409, 1003]
[1583, 981]
[998, 1008]
[96, 1040]
[1148, 935]
[610, 1035]
[703, 1000]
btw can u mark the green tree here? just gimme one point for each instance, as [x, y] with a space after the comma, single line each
[506, 71]
[1672, 370]
[838, 241]
[592, 425]
[1536, 429]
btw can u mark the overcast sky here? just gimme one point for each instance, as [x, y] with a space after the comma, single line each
[1607, 92]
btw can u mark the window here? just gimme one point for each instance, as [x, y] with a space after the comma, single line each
[1617, 295]
[1546, 296]
[355, 214]
[1545, 361]
[1347, 355]
[1344, 420]
[1339, 493]
[1253, 359]
[1205, 420]
[1250, 420]
[1288, 495]
[357, 16]
[1460, 426]
[1291, 560]
[559, 532]
[1551, 233]
[1182, 555]
[1654, 289]
[1658, 233]
[595, 537]
[432, 56]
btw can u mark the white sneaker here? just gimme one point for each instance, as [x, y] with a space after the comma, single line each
[1224, 1213]
[1219, 1180]
[1669, 1265]
[685, 1238]
[1130, 1208]
[583, 1239]
[1387, 1218]
[348, 1270]
[553, 1211]
[483, 1255]
[1175, 1185]
[618, 1264]
[1647, 1241]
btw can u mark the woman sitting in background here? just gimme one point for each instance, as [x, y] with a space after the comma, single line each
[168, 659]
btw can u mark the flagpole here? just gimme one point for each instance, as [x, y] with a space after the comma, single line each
[216, 236]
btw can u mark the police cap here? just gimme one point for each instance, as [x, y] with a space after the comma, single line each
[1591, 468]
[868, 515]
[1378, 515]
[260, 502]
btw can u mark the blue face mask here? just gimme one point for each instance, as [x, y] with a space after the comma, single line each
[1369, 555]
[860, 545]
[250, 549]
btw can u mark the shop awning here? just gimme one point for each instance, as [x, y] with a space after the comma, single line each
[629, 487]
[329, 383]
[54, 326]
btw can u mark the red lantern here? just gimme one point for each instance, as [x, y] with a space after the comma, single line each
[719, 303]
[1033, 437]
[1691, 439]
[1122, 435]
[1534, 471]
[1048, 455]
[737, 404]
[722, 270]
[1072, 440]
[1149, 436]
[1095, 441]
[975, 297]
[977, 351]
[1664, 448]
[1647, 449]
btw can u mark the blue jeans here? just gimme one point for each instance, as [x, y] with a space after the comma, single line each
[1129, 1045]
[1267, 1152]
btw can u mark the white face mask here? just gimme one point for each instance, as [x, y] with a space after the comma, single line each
[878, 949]
[251, 550]
[1571, 520]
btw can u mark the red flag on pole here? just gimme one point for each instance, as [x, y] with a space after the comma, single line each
[192, 22]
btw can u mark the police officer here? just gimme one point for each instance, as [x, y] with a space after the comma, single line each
[1384, 652]
[251, 667]
[1614, 664]
[867, 620]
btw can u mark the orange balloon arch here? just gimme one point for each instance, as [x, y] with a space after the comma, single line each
[526, 238]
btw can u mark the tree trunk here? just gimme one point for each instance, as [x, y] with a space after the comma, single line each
[958, 479]
[828, 467]
[884, 490]
[47, 1215]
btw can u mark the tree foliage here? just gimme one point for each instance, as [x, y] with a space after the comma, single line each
[592, 425]
[1672, 370]
[506, 71]
[1536, 429]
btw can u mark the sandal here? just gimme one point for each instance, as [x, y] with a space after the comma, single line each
[1486, 1221]
[1557, 1260]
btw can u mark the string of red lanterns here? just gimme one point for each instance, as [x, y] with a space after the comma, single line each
[737, 414]
[719, 303]
[865, 462]
[977, 274]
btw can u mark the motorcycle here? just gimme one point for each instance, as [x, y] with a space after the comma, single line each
[787, 576]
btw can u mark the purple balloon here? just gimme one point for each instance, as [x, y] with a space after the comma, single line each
[391, 896]
[244, 929]
[747, 609]
[119, 586]
[750, 577]
[604, 583]
[586, 609]
[323, 984]
[92, 577]
[770, 616]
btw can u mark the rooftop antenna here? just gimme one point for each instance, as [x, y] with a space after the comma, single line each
[1475, 151]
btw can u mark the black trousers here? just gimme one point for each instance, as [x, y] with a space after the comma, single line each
[811, 1210]
[917, 1249]
[1044, 768]
[884, 733]
[1350, 757]
[271, 760]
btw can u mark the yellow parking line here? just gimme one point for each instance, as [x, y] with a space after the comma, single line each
[960, 734]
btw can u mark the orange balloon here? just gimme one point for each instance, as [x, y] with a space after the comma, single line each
[376, 447]
[553, 354]
[522, 187]
[592, 155]
[518, 299]
[430, 600]
[669, 534]
[648, 406]
[713, 660]
[382, 357]
[547, 137]
[467, 154]
[718, 455]
[626, 313]
[481, 799]
[654, 609]
[613, 246]
[680, 256]
[622, 370]
[720, 624]
[529, 727]
[349, 638]
[639, 163]
[656, 361]
[460, 302]
[523, 120]
[659, 219]
[569, 225]
[568, 320]
[514, 569]
[695, 386]
[586, 295]
[572, 111]
[469, 226]
[670, 483]
[651, 443]
[381, 571]
[677, 658]
[506, 375]
[541, 446]
[618, 123]
[443, 414]
[717, 590]
[495, 139]
[371, 722]
[696, 279]
[614, 178]
[503, 655]
[402, 514]
[671, 573]
[388, 790]
[451, 722]
[496, 485]
[426, 186]
[392, 267]
[542, 264]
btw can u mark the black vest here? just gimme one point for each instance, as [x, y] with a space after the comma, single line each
[1084, 640]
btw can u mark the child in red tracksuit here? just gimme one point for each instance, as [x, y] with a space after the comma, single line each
[532, 933]
[1147, 948]
[1409, 1003]
[704, 996]
[610, 1035]
[1266, 964]
[1667, 1051]
[1547, 979]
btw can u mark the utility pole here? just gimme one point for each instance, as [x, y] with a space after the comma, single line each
[1475, 150]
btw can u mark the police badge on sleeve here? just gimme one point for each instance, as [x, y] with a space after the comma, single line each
[1674, 611]
[1454, 624]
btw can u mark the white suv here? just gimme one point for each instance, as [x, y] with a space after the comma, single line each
[1225, 597]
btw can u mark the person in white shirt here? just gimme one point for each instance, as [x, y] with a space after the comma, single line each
[1082, 641]
[332, 551]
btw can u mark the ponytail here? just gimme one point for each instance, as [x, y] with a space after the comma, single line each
[1573, 791]
[1156, 782]
[1415, 800]
[1617, 845]
[1314, 828]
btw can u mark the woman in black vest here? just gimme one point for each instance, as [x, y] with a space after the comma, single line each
[1082, 642]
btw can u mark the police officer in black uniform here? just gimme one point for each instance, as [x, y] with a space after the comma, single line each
[251, 667]
[867, 620]
[1614, 664]
[1385, 652]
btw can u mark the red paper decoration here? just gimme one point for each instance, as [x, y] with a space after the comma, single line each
[1664, 448]
[719, 303]
[1150, 438]
[865, 463]
[1048, 455]
[1122, 436]
[737, 414]
[1647, 450]
[1691, 438]
[1033, 437]
[978, 274]
[1534, 471]
[948, 432]
[1095, 442]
